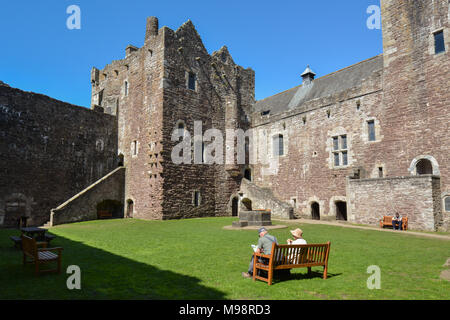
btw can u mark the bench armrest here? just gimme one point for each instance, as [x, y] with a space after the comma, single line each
[262, 255]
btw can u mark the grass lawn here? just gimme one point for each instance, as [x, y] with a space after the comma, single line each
[198, 259]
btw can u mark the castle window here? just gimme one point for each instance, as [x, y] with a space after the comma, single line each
[439, 43]
[447, 204]
[371, 130]
[134, 148]
[278, 145]
[192, 79]
[196, 199]
[336, 143]
[340, 151]
[126, 88]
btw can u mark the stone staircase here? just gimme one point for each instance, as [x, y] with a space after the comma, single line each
[46, 225]
[263, 199]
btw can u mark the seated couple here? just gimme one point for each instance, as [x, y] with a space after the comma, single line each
[264, 246]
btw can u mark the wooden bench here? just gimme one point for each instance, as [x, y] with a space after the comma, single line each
[286, 257]
[387, 221]
[104, 214]
[40, 256]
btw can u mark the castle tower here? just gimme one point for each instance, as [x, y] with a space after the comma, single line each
[416, 45]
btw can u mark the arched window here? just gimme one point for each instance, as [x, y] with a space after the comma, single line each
[126, 88]
[424, 166]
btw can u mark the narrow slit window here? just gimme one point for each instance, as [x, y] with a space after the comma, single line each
[135, 148]
[192, 79]
[371, 129]
[197, 198]
[439, 43]
[380, 172]
[126, 88]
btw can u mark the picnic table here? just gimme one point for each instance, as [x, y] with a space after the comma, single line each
[33, 232]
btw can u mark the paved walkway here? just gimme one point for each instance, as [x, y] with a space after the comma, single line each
[349, 225]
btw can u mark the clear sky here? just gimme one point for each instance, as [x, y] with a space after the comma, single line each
[276, 38]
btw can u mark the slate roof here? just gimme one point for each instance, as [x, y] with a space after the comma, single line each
[328, 85]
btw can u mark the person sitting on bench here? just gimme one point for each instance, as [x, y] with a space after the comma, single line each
[264, 246]
[298, 237]
[397, 222]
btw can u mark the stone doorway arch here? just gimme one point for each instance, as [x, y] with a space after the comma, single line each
[315, 211]
[130, 208]
[341, 210]
[235, 207]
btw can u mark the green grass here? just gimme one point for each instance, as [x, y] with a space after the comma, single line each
[198, 259]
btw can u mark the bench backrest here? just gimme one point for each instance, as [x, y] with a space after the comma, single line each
[300, 254]
[29, 246]
[388, 219]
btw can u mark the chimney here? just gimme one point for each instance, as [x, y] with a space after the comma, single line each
[152, 27]
[308, 76]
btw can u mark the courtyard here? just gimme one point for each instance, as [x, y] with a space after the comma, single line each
[197, 259]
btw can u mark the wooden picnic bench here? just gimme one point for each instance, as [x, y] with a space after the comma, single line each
[18, 240]
[38, 256]
[387, 221]
[286, 257]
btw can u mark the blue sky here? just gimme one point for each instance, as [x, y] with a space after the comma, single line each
[277, 39]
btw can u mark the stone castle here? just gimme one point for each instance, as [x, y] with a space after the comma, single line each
[365, 141]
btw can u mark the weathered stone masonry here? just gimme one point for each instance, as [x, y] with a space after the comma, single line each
[50, 151]
[354, 145]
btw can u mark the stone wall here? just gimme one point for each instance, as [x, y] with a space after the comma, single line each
[305, 174]
[415, 88]
[51, 150]
[417, 197]
[83, 206]
[223, 93]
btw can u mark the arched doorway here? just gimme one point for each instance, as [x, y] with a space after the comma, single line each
[130, 208]
[341, 210]
[424, 166]
[235, 207]
[315, 211]
[248, 174]
[120, 160]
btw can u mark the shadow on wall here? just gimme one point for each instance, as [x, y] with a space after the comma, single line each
[103, 276]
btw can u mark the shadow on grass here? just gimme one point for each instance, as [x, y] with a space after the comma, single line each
[103, 276]
[282, 277]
